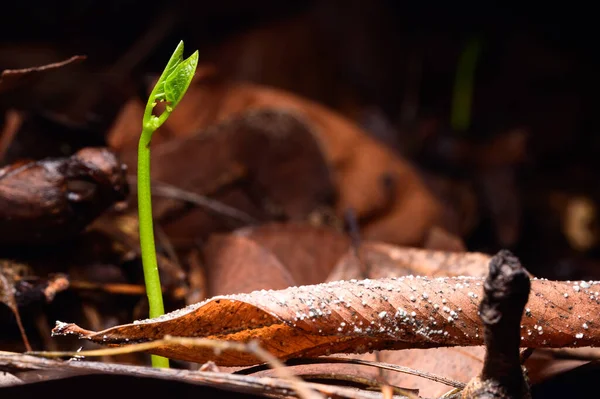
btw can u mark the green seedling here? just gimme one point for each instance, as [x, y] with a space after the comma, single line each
[462, 99]
[170, 88]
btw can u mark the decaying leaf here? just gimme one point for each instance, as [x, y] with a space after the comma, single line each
[387, 260]
[360, 316]
[271, 256]
[309, 253]
[266, 163]
[384, 261]
[228, 260]
[54, 369]
[383, 189]
[52, 200]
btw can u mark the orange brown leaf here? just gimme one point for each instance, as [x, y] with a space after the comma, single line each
[361, 316]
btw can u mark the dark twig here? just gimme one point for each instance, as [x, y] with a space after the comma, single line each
[506, 291]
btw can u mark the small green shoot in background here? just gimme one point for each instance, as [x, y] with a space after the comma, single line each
[462, 99]
[170, 88]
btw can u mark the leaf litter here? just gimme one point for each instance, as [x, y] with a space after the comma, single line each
[361, 316]
[234, 382]
[372, 189]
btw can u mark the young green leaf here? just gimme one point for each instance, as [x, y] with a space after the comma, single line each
[177, 83]
[175, 60]
[171, 86]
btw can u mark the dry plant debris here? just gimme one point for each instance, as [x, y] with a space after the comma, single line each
[363, 315]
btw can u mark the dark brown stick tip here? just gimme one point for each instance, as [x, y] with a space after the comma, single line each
[506, 288]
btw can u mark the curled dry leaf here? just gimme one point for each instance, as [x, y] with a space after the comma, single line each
[271, 256]
[266, 163]
[383, 189]
[53, 199]
[309, 253]
[385, 260]
[237, 264]
[54, 369]
[361, 316]
[440, 239]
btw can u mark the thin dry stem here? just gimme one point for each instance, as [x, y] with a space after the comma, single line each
[251, 348]
[380, 365]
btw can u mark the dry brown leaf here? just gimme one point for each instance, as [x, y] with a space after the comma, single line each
[384, 260]
[296, 252]
[542, 365]
[266, 163]
[49, 369]
[383, 189]
[271, 256]
[238, 264]
[309, 253]
[442, 240]
[360, 316]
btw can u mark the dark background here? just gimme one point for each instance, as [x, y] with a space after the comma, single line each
[388, 65]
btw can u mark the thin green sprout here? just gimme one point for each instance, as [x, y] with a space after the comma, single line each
[462, 100]
[170, 88]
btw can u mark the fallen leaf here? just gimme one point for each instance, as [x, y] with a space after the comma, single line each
[271, 256]
[542, 366]
[238, 264]
[384, 260]
[309, 253]
[267, 164]
[442, 240]
[384, 190]
[360, 316]
[276, 256]
[72, 371]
